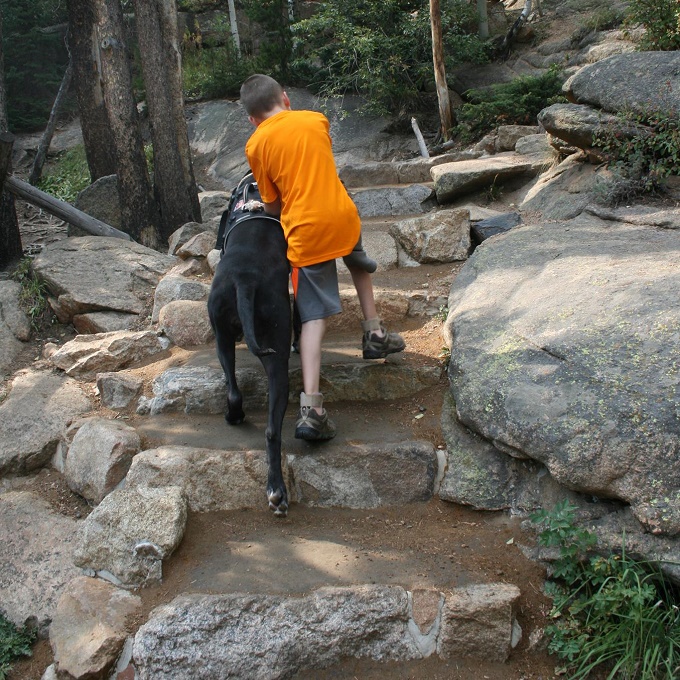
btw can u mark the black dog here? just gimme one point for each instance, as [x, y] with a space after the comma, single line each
[249, 298]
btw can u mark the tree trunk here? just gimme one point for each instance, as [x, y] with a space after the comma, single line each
[483, 15]
[94, 122]
[445, 117]
[174, 181]
[10, 237]
[46, 139]
[139, 216]
[233, 23]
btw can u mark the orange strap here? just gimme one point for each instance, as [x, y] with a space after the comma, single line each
[294, 278]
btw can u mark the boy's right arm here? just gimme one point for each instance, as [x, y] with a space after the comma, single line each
[274, 208]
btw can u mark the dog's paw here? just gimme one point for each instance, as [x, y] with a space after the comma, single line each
[278, 502]
[235, 418]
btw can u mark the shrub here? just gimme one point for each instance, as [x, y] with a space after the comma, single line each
[68, 176]
[275, 51]
[641, 163]
[517, 102]
[380, 50]
[614, 614]
[33, 295]
[14, 643]
[214, 69]
[661, 19]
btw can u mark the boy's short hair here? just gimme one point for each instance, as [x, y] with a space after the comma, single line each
[260, 94]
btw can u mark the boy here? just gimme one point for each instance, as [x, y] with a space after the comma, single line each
[291, 157]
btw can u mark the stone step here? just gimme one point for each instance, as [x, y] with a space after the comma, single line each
[394, 200]
[380, 622]
[198, 386]
[342, 474]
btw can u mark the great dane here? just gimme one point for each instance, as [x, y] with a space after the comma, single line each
[249, 299]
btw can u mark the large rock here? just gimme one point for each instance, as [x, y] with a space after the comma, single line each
[99, 457]
[223, 633]
[213, 203]
[15, 326]
[90, 626]
[219, 130]
[564, 191]
[477, 622]
[509, 135]
[462, 177]
[379, 246]
[412, 199]
[174, 287]
[86, 355]
[39, 407]
[128, 535]
[210, 480]
[186, 323]
[118, 389]
[100, 200]
[104, 322]
[563, 339]
[96, 273]
[443, 236]
[580, 125]
[636, 82]
[365, 476]
[37, 557]
[483, 476]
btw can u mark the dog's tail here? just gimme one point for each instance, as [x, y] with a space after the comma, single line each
[245, 301]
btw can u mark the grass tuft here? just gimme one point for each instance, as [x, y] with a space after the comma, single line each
[614, 614]
[14, 643]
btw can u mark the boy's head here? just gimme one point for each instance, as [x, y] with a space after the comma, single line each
[260, 95]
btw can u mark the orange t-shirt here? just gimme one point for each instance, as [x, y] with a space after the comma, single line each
[291, 157]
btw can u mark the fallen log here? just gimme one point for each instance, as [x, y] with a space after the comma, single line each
[61, 209]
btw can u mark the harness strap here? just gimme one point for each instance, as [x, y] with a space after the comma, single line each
[246, 218]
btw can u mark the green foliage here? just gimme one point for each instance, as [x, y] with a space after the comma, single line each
[380, 50]
[35, 60]
[514, 103]
[214, 69]
[641, 162]
[14, 643]
[274, 54]
[33, 296]
[661, 19]
[69, 176]
[614, 614]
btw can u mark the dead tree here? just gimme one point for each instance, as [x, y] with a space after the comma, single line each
[445, 116]
[509, 38]
[46, 139]
[61, 209]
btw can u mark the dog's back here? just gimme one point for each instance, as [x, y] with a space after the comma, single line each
[249, 294]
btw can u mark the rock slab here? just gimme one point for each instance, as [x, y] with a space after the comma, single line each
[564, 344]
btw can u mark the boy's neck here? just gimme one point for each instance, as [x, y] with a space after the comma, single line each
[284, 105]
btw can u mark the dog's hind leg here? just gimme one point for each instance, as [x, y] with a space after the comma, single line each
[277, 375]
[226, 353]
